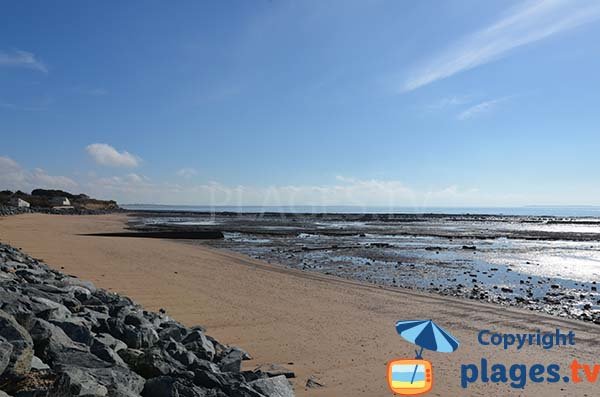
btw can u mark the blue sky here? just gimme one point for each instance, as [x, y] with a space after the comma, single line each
[422, 103]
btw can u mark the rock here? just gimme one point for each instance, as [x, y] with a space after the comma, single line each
[82, 294]
[107, 354]
[22, 345]
[17, 305]
[151, 363]
[172, 330]
[76, 382]
[49, 310]
[312, 383]
[106, 347]
[74, 281]
[38, 364]
[272, 370]
[76, 328]
[97, 316]
[97, 382]
[210, 378]
[180, 353]
[277, 386]
[108, 341]
[166, 386]
[231, 361]
[6, 350]
[197, 343]
[58, 350]
[133, 329]
[50, 340]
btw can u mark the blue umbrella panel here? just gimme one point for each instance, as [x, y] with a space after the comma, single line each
[427, 335]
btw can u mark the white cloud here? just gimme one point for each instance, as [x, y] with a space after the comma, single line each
[526, 24]
[22, 59]
[15, 177]
[480, 108]
[187, 172]
[105, 154]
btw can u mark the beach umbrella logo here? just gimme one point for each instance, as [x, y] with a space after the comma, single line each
[409, 377]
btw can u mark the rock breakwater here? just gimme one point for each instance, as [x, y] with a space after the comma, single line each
[62, 336]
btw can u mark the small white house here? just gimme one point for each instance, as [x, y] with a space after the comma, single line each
[60, 201]
[17, 202]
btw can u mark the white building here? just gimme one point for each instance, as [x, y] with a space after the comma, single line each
[60, 201]
[17, 202]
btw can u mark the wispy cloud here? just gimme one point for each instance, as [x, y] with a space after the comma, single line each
[525, 24]
[105, 154]
[480, 108]
[22, 59]
[187, 172]
[14, 176]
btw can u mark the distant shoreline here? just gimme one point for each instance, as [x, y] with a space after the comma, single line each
[544, 211]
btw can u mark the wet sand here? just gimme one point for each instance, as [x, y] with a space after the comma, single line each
[340, 332]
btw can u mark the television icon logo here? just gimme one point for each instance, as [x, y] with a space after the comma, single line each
[410, 377]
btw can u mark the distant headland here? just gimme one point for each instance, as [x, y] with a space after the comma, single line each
[52, 200]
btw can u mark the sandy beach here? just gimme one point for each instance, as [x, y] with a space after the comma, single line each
[339, 332]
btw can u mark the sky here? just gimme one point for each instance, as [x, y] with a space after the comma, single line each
[285, 102]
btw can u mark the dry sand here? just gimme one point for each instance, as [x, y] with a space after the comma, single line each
[340, 332]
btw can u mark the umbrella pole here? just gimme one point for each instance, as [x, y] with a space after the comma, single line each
[416, 366]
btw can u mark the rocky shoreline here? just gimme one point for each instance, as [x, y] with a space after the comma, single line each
[61, 336]
[541, 263]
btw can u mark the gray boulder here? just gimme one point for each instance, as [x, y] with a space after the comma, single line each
[277, 386]
[172, 331]
[13, 302]
[38, 364]
[48, 309]
[106, 347]
[97, 382]
[74, 281]
[107, 354]
[272, 370]
[6, 350]
[178, 352]
[231, 359]
[103, 339]
[134, 330]
[19, 338]
[76, 328]
[151, 363]
[166, 386]
[199, 344]
[54, 347]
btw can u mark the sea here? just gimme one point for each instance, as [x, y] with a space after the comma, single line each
[533, 210]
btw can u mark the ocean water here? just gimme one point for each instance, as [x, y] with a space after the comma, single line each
[558, 211]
